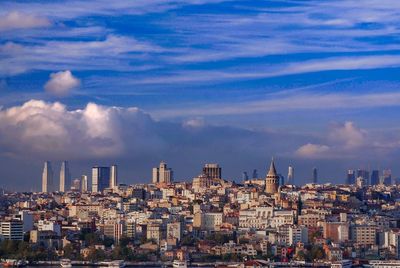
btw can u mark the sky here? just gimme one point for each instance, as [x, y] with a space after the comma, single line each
[311, 83]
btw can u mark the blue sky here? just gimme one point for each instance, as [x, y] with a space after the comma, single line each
[314, 83]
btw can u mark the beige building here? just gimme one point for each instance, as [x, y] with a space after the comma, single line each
[364, 234]
[209, 221]
[162, 174]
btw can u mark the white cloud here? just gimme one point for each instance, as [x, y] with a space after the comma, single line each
[61, 83]
[18, 20]
[50, 129]
[348, 134]
[311, 150]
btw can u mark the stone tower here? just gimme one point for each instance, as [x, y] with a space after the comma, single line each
[272, 180]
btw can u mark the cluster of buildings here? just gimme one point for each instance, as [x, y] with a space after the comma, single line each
[211, 218]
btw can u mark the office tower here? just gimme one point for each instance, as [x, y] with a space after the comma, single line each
[387, 177]
[47, 178]
[245, 177]
[162, 174]
[114, 177]
[64, 177]
[351, 177]
[375, 177]
[360, 182]
[76, 185]
[84, 183]
[290, 176]
[364, 174]
[212, 170]
[255, 174]
[272, 179]
[100, 178]
[314, 175]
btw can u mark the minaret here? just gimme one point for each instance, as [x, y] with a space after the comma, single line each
[272, 180]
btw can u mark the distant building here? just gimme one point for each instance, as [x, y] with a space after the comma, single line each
[314, 175]
[351, 177]
[290, 176]
[387, 177]
[76, 185]
[100, 178]
[65, 177]
[84, 183]
[114, 177]
[255, 174]
[213, 171]
[364, 174]
[375, 180]
[162, 174]
[47, 178]
[12, 230]
[272, 180]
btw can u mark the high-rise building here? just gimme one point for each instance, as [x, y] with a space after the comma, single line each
[212, 170]
[375, 177]
[47, 178]
[162, 174]
[65, 177]
[84, 183]
[100, 178]
[290, 176]
[364, 174]
[76, 185]
[351, 177]
[272, 179]
[245, 177]
[113, 177]
[387, 177]
[255, 174]
[314, 175]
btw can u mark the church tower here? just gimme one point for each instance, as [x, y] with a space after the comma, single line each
[272, 180]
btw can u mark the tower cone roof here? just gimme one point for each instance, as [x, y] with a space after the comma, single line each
[272, 169]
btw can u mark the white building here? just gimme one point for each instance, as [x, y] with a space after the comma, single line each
[84, 183]
[113, 177]
[65, 177]
[47, 178]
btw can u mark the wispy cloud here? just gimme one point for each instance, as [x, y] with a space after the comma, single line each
[19, 20]
[289, 102]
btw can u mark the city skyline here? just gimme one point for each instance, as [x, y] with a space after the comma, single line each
[311, 83]
[164, 174]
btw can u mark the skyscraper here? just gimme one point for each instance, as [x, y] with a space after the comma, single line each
[314, 175]
[290, 176]
[387, 177]
[351, 177]
[364, 174]
[162, 174]
[84, 183]
[272, 179]
[76, 185]
[113, 177]
[100, 178]
[213, 171]
[65, 177]
[375, 177]
[255, 174]
[47, 178]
